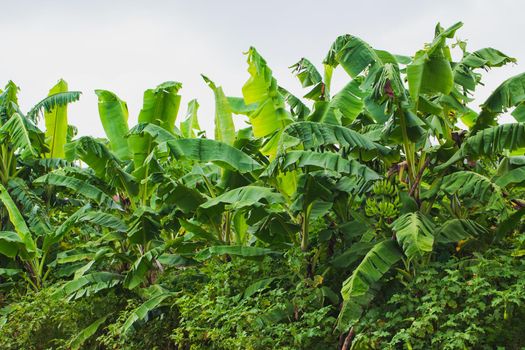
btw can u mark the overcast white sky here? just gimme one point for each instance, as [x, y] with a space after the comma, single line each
[129, 46]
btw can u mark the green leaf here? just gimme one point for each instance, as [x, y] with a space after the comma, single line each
[476, 186]
[142, 311]
[10, 244]
[141, 267]
[306, 72]
[18, 222]
[59, 98]
[464, 74]
[359, 289]
[86, 333]
[114, 116]
[105, 164]
[56, 124]
[18, 130]
[161, 105]
[191, 122]
[244, 197]
[455, 230]
[489, 142]
[327, 161]
[352, 53]
[242, 251]
[88, 284]
[78, 186]
[160, 108]
[430, 72]
[514, 176]
[429, 75]
[224, 128]
[257, 286]
[262, 89]
[415, 233]
[205, 150]
[313, 135]
[343, 108]
[510, 93]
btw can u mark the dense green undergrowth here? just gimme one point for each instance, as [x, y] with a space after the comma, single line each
[385, 215]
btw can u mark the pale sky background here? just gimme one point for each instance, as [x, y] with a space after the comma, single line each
[129, 46]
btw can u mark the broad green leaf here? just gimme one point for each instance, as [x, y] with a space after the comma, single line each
[56, 124]
[352, 53]
[510, 93]
[359, 289]
[224, 128]
[514, 176]
[431, 72]
[142, 311]
[242, 251]
[415, 234]
[343, 108]
[10, 244]
[313, 135]
[489, 142]
[86, 333]
[105, 164]
[205, 150]
[18, 133]
[18, 222]
[262, 89]
[191, 122]
[78, 186]
[88, 284]
[114, 116]
[160, 107]
[455, 230]
[244, 197]
[476, 186]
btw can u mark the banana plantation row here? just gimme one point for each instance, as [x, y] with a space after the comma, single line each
[383, 215]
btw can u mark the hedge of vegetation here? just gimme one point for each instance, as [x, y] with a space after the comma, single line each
[386, 215]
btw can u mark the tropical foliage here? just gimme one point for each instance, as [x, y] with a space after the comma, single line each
[387, 214]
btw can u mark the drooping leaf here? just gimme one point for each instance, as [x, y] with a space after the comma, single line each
[510, 93]
[18, 130]
[489, 142]
[58, 98]
[352, 53]
[244, 197]
[359, 289]
[242, 251]
[343, 108]
[78, 186]
[205, 150]
[473, 185]
[262, 89]
[18, 222]
[313, 135]
[142, 311]
[415, 234]
[327, 160]
[78, 340]
[455, 230]
[88, 284]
